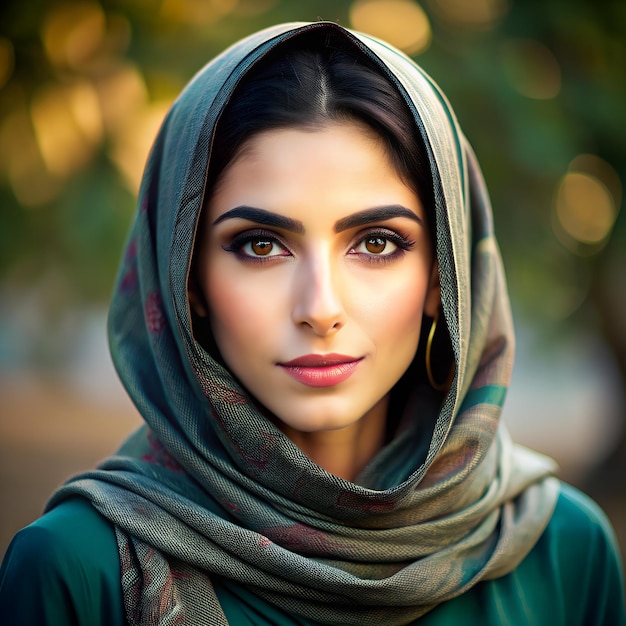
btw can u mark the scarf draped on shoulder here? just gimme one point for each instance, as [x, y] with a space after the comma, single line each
[210, 488]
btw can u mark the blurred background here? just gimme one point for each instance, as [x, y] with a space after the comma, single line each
[539, 87]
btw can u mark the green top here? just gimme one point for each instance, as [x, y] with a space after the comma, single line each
[64, 569]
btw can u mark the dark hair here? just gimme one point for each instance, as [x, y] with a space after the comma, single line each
[312, 82]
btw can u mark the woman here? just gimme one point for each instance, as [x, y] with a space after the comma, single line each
[311, 317]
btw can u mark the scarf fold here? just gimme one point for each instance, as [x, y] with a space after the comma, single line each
[210, 489]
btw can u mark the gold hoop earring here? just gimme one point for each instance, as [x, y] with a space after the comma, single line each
[429, 370]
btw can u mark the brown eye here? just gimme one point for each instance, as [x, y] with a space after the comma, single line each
[375, 245]
[261, 247]
[252, 245]
[381, 246]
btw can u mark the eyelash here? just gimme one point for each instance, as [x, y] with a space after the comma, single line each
[402, 243]
[239, 241]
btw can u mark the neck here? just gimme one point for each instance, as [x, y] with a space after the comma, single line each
[346, 451]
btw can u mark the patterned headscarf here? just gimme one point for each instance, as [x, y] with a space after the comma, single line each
[210, 487]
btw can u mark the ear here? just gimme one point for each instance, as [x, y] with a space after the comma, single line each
[432, 304]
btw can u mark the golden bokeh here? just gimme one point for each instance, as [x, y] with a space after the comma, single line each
[121, 93]
[57, 135]
[73, 33]
[131, 144]
[130, 120]
[197, 12]
[253, 8]
[402, 23]
[68, 126]
[531, 68]
[22, 164]
[80, 36]
[585, 208]
[602, 170]
[477, 15]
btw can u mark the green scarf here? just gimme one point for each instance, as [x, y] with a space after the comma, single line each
[210, 487]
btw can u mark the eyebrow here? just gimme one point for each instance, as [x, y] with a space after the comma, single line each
[375, 214]
[261, 216]
[361, 218]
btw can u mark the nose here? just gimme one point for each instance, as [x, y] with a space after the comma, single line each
[318, 303]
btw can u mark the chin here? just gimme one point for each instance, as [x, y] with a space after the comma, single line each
[319, 416]
[316, 423]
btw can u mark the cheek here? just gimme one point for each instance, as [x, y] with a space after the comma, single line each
[227, 310]
[398, 339]
[240, 312]
[393, 307]
[402, 324]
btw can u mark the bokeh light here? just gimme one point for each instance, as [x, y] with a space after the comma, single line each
[585, 210]
[68, 126]
[531, 68]
[121, 92]
[21, 161]
[476, 15]
[402, 23]
[72, 33]
[197, 12]
[602, 170]
[131, 145]
[79, 35]
[253, 8]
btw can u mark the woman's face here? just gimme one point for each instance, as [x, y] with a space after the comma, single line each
[317, 265]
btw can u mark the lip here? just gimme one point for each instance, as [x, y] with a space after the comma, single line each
[321, 370]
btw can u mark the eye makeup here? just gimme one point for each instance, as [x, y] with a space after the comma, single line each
[268, 246]
[401, 244]
[262, 245]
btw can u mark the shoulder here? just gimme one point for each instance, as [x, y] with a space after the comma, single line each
[579, 507]
[63, 568]
[578, 560]
[580, 527]
[72, 535]
[572, 577]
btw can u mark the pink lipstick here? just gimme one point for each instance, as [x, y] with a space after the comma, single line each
[321, 370]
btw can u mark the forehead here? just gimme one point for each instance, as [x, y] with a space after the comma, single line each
[335, 168]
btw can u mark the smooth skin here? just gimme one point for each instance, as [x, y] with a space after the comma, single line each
[312, 244]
